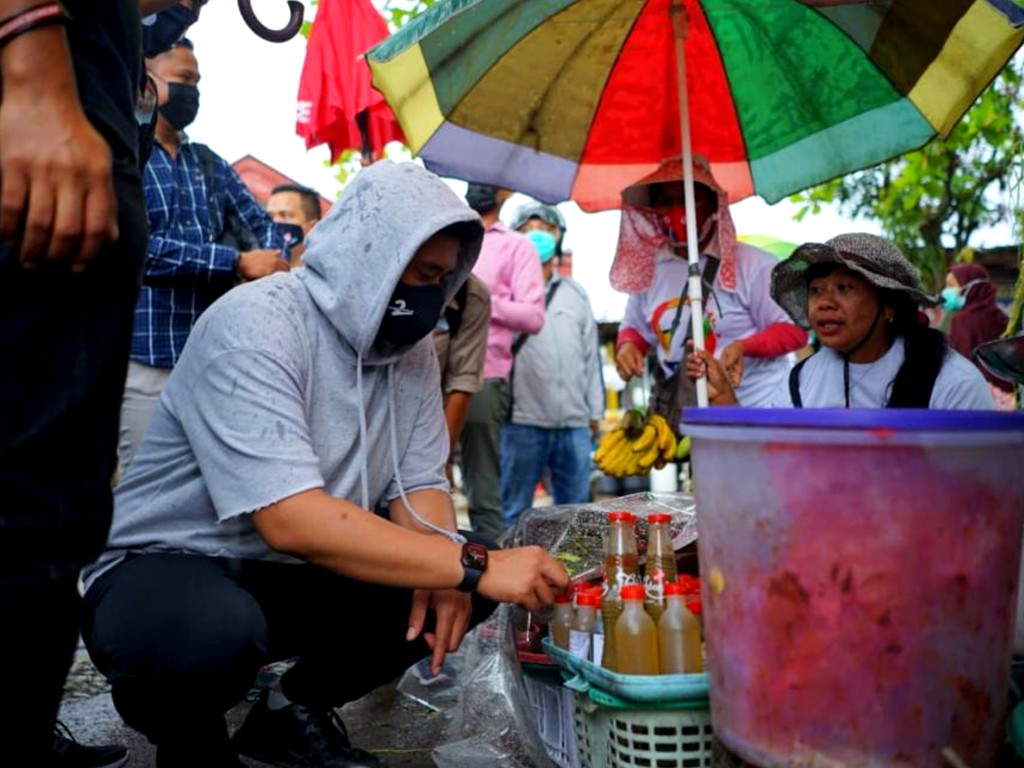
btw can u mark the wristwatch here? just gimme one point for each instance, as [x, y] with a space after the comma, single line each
[474, 563]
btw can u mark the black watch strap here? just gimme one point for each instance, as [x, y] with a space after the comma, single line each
[474, 563]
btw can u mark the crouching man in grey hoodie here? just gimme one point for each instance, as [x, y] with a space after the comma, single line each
[242, 533]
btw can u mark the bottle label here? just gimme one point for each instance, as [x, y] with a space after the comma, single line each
[654, 586]
[579, 643]
[597, 651]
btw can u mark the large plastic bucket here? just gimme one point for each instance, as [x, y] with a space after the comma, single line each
[859, 572]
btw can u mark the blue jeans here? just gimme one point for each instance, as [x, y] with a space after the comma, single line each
[527, 451]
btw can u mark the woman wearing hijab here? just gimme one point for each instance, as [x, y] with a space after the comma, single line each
[860, 296]
[970, 296]
[745, 328]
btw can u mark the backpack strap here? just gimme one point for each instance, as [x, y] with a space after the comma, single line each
[522, 338]
[208, 167]
[794, 383]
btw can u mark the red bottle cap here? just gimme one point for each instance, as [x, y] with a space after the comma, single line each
[588, 599]
[632, 592]
[562, 597]
[579, 587]
[695, 605]
[690, 584]
[659, 518]
[671, 588]
[619, 517]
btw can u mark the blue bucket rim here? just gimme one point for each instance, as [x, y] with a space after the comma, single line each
[907, 419]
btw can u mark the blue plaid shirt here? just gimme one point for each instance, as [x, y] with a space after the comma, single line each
[185, 270]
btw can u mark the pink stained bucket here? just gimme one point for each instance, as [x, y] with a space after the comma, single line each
[859, 573]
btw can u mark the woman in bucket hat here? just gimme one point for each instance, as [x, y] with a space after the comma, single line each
[860, 296]
[748, 331]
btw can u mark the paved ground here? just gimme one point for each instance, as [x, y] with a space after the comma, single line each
[385, 722]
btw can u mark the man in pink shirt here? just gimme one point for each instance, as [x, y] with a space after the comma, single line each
[509, 265]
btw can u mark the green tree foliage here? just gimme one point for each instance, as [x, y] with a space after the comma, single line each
[932, 201]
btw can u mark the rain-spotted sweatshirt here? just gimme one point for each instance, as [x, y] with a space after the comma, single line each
[283, 386]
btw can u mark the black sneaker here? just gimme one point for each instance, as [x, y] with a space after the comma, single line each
[299, 735]
[68, 753]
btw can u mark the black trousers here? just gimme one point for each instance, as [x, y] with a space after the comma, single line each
[64, 342]
[181, 637]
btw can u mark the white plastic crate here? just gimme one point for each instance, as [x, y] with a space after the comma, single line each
[660, 738]
[552, 707]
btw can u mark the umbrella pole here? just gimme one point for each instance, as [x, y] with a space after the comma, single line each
[692, 246]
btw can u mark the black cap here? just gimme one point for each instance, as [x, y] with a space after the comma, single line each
[482, 198]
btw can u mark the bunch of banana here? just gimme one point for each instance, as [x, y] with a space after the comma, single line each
[637, 444]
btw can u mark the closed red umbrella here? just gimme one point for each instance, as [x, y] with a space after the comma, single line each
[337, 105]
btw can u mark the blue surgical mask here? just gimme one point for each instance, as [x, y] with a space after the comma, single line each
[952, 299]
[162, 30]
[412, 313]
[544, 242]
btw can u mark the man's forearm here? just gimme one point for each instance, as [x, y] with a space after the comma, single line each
[38, 58]
[346, 539]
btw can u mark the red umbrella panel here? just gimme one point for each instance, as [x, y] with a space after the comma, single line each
[337, 105]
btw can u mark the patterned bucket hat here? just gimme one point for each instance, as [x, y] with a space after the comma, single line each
[874, 258]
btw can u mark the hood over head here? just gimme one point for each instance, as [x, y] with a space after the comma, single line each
[356, 255]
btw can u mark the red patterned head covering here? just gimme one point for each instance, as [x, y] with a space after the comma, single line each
[642, 237]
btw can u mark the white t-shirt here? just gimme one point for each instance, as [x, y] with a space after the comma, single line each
[733, 315]
[959, 384]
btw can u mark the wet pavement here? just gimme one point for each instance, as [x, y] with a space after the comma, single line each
[385, 722]
[400, 730]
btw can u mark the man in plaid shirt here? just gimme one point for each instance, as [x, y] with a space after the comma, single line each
[193, 199]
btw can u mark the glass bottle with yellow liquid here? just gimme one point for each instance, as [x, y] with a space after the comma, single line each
[679, 634]
[620, 569]
[636, 637]
[661, 563]
[561, 621]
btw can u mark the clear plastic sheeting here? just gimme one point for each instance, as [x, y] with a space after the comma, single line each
[492, 723]
[575, 533]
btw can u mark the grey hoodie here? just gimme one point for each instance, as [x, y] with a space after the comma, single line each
[282, 387]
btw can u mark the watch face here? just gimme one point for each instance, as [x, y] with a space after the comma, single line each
[474, 556]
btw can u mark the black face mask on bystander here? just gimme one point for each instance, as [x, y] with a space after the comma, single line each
[182, 105]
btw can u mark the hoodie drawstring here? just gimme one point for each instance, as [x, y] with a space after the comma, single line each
[455, 536]
[364, 470]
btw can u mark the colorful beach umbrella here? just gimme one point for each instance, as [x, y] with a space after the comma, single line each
[575, 99]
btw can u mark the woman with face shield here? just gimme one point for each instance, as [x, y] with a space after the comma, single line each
[744, 327]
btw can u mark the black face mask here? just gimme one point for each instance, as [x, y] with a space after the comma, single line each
[412, 313]
[182, 105]
[162, 30]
